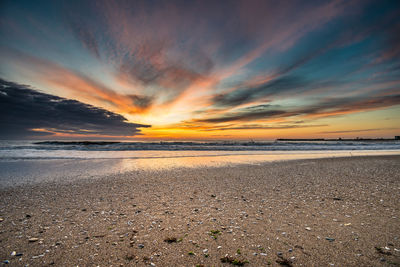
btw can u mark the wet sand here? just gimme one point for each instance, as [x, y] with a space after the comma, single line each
[315, 212]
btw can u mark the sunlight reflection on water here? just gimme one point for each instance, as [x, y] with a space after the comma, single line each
[15, 172]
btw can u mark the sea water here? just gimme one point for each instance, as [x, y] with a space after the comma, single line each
[24, 162]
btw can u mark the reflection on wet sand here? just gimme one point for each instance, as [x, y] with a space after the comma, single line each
[223, 160]
[16, 172]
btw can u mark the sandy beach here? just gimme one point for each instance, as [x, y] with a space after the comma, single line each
[314, 212]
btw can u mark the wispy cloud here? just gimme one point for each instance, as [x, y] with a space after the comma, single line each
[205, 64]
[324, 108]
[55, 75]
[359, 130]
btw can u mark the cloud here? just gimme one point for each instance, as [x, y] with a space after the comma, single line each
[80, 84]
[167, 47]
[27, 113]
[166, 62]
[341, 106]
[244, 116]
[87, 38]
[260, 92]
[264, 127]
[360, 130]
[328, 107]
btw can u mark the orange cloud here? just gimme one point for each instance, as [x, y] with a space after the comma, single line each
[81, 86]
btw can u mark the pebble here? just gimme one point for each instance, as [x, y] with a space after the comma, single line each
[279, 253]
[308, 228]
[330, 239]
[219, 247]
[263, 254]
[205, 250]
[1, 219]
[33, 239]
[140, 246]
[13, 253]
[290, 250]
[152, 264]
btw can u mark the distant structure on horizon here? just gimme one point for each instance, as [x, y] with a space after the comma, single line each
[397, 137]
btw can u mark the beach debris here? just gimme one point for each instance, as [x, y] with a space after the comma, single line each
[171, 240]
[6, 262]
[15, 254]
[330, 239]
[381, 251]
[213, 195]
[99, 235]
[199, 265]
[1, 219]
[279, 254]
[337, 198]
[233, 261]
[214, 233]
[33, 239]
[140, 246]
[191, 253]
[263, 254]
[205, 251]
[28, 216]
[308, 228]
[219, 247]
[238, 251]
[152, 264]
[129, 257]
[284, 262]
[290, 250]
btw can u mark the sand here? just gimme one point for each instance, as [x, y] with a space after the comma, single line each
[321, 212]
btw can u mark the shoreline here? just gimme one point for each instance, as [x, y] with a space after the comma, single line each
[319, 211]
[32, 171]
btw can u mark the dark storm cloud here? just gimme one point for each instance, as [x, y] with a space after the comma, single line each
[23, 109]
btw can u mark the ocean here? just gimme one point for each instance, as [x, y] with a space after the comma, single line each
[106, 149]
[43, 161]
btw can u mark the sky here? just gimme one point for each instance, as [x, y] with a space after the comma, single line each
[198, 70]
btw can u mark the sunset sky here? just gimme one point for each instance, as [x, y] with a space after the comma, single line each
[197, 70]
